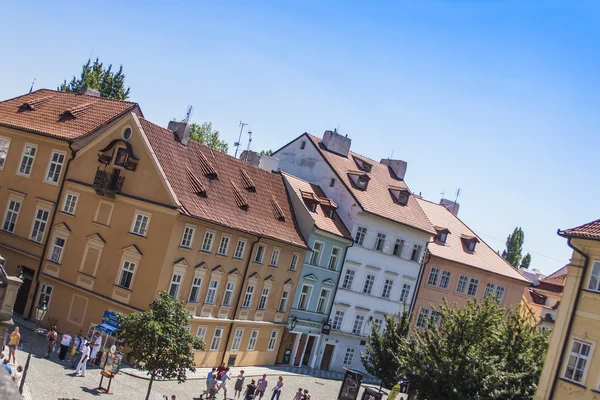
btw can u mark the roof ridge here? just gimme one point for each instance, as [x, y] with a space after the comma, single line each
[65, 93]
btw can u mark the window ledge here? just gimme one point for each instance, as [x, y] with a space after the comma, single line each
[115, 285]
[590, 291]
[572, 383]
[221, 255]
[204, 251]
[138, 235]
[96, 222]
[67, 213]
[273, 266]
[237, 258]
[53, 262]
[256, 262]
[185, 248]
[50, 182]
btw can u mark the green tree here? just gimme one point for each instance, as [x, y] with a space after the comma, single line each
[207, 136]
[267, 153]
[514, 248]
[110, 84]
[160, 340]
[383, 356]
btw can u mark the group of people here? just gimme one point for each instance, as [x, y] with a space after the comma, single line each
[82, 351]
[10, 363]
[217, 380]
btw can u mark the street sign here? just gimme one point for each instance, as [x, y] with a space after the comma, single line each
[326, 329]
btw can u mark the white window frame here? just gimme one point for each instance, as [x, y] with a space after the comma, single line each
[362, 318]
[224, 242]
[285, 296]
[273, 339]
[187, 238]
[416, 254]
[237, 339]
[260, 255]
[349, 356]
[489, 288]
[350, 274]
[423, 318]
[404, 293]
[338, 319]
[294, 261]
[53, 245]
[388, 284]
[463, 281]
[207, 240]
[316, 253]
[201, 332]
[306, 296]
[500, 293]
[4, 139]
[447, 278]
[248, 296]
[213, 285]
[142, 214]
[398, 247]
[240, 248]
[473, 282]
[42, 225]
[67, 204]
[16, 213]
[594, 280]
[578, 357]
[43, 294]
[275, 257]
[379, 242]
[323, 301]
[229, 287]
[253, 339]
[23, 156]
[215, 343]
[335, 258]
[177, 283]
[369, 283]
[123, 270]
[56, 165]
[196, 283]
[434, 276]
[264, 297]
[361, 234]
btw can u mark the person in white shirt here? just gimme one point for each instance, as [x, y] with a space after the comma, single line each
[85, 355]
[97, 342]
[82, 345]
[65, 342]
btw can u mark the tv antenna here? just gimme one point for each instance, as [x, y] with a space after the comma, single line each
[239, 141]
[31, 88]
[188, 114]
[455, 201]
[249, 143]
[443, 193]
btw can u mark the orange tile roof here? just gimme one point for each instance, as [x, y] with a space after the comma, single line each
[221, 176]
[484, 257]
[332, 225]
[376, 199]
[60, 114]
[590, 230]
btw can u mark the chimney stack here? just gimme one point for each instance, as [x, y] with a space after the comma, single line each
[182, 130]
[337, 143]
[89, 91]
[269, 163]
[450, 205]
[251, 157]
[398, 167]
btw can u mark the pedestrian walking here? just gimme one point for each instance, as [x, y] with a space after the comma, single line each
[239, 385]
[220, 370]
[298, 394]
[224, 378]
[250, 390]
[65, 342]
[209, 379]
[50, 341]
[82, 345]
[13, 343]
[84, 359]
[213, 388]
[261, 386]
[305, 395]
[75, 347]
[277, 389]
[97, 341]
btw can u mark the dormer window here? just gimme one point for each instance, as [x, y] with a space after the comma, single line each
[400, 195]
[362, 182]
[310, 200]
[442, 234]
[313, 207]
[329, 212]
[363, 165]
[469, 242]
[471, 246]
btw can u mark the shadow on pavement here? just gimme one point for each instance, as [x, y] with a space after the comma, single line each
[90, 391]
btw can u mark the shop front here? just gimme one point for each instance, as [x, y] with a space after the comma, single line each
[300, 344]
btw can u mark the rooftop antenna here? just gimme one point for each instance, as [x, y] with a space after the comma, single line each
[455, 201]
[31, 88]
[239, 141]
[443, 193]
[188, 114]
[392, 156]
[249, 143]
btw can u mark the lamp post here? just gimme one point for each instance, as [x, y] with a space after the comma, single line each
[40, 313]
[293, 323]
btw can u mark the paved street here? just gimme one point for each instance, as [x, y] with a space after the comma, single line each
[48, 379]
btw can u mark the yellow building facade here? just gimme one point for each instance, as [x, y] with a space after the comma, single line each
[143, 209]
[572, 366]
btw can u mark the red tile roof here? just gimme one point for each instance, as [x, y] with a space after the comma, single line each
[484, 257]
[376, 199]
[332, 225]
[60, 114]
[191, 168]
[590, 230]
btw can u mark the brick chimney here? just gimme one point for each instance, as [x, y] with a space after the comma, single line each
[89, 91]
[337, 143]
[398, 167]
[182, 130]
[450, 205]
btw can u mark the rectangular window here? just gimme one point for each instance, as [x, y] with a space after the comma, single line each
[434, 274]
[404, 293]
[489, 288]
[228, 294]
[398, 246]
[260, 253]
[45, 295]
[473, 287]
[212, 292]
[315, 257]
[333, 258]
[461, 287]
[283, 301]
[445, 281]
[126, 275]
[368, 286]
[188, 236]
[248, 297]
[4, 146]
[57, 159]
[223, 246]
[348, 279]
[349, 356]
[237, 339]
[239, 249]
[207, 242]
[304, 297]
[332, 182]
[435, 317]
[70, 203]
[140, 224]
[416, 253]
[500, 293]
[294, 262]
[274, 258]
[39, 225]
[27, 160]
[378, 323]
[262, 303]
[423, 318]
[58, 245]
[253, 338]
[594, 283]
[273, 340]
[12, 213]
[323, 300]
[201, 333]
[338, 318]
[387, 288]
[361, 232]
[195, 292]
[578, 361]
[175, 286]
[380, 242]
[216, 341]
[359, 320]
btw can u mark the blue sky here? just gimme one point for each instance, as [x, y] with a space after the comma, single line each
[499, 98]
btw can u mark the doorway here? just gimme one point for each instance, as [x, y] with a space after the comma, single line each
[23, 293]
[308, 351]
[327, 354]
[300, 353]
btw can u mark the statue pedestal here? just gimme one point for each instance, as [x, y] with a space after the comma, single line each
[8, 295]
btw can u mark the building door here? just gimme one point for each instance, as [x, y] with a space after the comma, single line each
[299, 353]
[23, 293]
[309, 347]
[327, 354]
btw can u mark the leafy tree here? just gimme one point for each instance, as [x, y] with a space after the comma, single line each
[514, 248]
[207, 136]
[160, 340]
[267, 153]
[110, 84]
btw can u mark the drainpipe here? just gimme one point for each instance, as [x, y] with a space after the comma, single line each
[572, 311]
[56, 206]
[427, 258]
[237, 302]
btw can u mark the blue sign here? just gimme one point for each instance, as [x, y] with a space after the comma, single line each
[110, 322]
